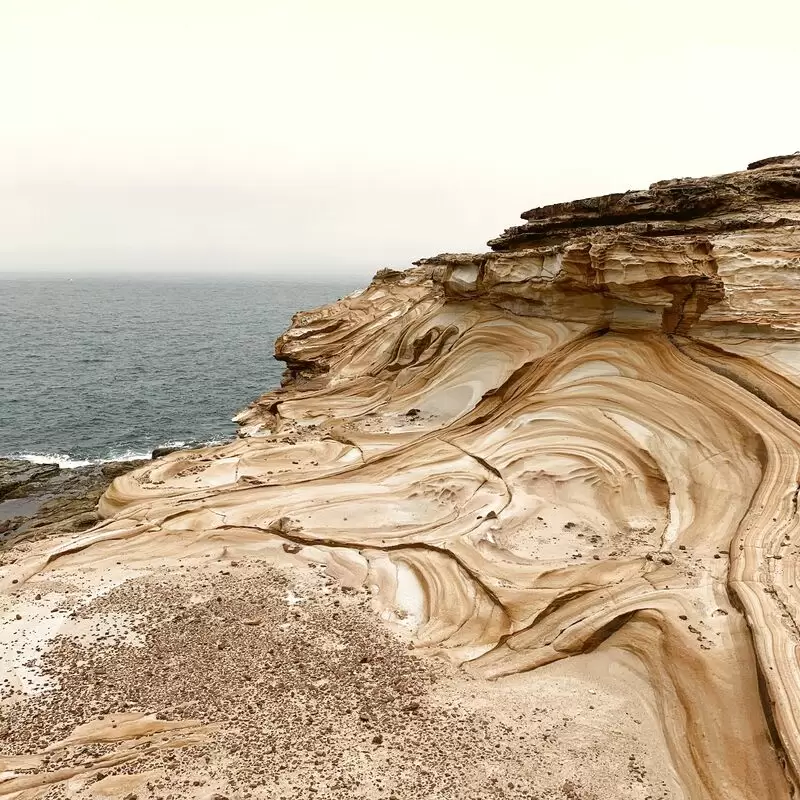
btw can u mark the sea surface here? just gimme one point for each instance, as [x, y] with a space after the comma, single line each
[96, 370]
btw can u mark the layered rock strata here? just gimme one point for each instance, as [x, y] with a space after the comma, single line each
[584, 443]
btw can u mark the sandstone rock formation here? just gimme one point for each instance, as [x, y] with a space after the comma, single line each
[586, 441]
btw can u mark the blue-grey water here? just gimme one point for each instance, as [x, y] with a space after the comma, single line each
[94, 369]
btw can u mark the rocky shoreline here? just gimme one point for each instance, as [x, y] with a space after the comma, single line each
[37, 500]
[518, 524]
[41, 499]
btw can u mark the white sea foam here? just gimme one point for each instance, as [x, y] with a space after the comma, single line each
[63, 461]
[67, 461]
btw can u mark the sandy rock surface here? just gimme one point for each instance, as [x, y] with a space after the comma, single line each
[217, 677]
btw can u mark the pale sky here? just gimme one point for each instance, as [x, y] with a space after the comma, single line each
[339, 136]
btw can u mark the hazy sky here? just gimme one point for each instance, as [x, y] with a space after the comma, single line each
[322, 136]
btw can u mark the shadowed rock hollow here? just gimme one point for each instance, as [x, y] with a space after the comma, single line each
[579, 451]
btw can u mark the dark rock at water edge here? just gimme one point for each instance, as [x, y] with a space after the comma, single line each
[165, 450]
[37, 500]
[158, 452]
[16, 475]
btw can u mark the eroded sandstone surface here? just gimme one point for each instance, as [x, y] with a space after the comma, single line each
[567, 470]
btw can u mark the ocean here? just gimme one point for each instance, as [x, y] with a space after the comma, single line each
[95, 370]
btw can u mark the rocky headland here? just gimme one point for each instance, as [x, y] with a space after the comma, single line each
[517, 524]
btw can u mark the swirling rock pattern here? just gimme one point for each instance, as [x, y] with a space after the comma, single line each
[583, 441]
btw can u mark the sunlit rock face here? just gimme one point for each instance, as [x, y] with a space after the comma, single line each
[583, 441]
